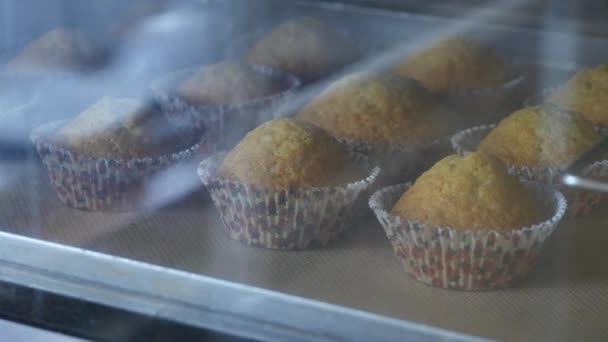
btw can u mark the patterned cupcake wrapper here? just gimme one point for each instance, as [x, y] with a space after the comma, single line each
[581, 202]
[286, 219]
[465, 260]
[539, 100]
[99, 184]
[490, 104]
[223, 125]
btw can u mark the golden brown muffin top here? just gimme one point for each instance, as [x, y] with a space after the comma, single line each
[379, 109]
[585, 93]
[60, 48]
[285, 153]
[120, 128]
[540, 137]
[474, 192]
[306, 47]
[227, 82]
[455, 63]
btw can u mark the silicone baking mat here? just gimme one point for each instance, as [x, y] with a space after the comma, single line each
[566, 297]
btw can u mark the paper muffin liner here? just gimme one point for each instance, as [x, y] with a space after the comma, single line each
[294, 218]
[490, 104]
[581, 202]
[538, 99]
[99, 184]
[465, 260]
[223, 125]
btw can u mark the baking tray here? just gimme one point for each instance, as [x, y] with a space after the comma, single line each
[565, 298]
[168, 263]
[186, 255]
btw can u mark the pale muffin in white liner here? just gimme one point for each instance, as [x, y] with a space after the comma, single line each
[465, 260]
[294, 218]
[223, 125]
[394, 120]
[305, 46]
[540, 99]
[99, 184]
[58, 53]
[581, 202]
[241, 45]
[442, 67]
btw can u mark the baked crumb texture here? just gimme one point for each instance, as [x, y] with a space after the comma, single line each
[455, 63]
[226, 83]
[472, 192]
[306, 47]
[60, 49]
[120, 128]
[379, 109]
[286, 153]
[585, 93]
[540, 137]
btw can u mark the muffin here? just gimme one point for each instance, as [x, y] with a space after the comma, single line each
[467, 224]
[455, 63]
[61, 49]
[224, 100]
[286, 153]
[379, 109]
[226, 83]
[474, 192]
[305, 47]
[474, 81]
[104, 159]
[120, 128]
[286, 185]
[540, 137]
[537, 143]
[584, 93]
[394, 120]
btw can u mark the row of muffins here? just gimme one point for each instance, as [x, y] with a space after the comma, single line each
[467, 222]
[538, 141]
[288, 185]
[502, 144]
[283, 186]
[200, 99]
[317, 165]
[305, 48]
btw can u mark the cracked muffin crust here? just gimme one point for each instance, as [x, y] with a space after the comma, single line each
[540, 137]
[472, 192]
[285, 153]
